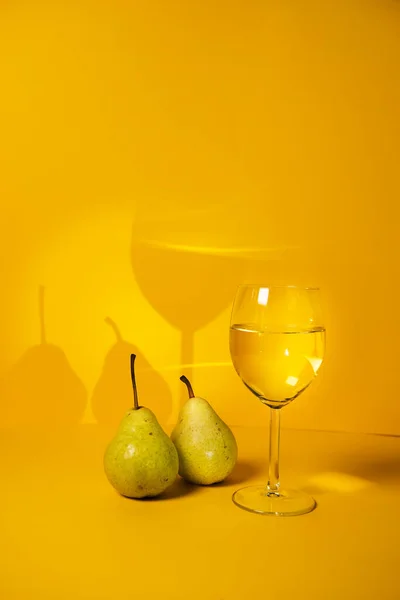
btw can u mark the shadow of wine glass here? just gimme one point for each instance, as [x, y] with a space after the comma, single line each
[41, 388]
[112, 395]
[380, 470]
[353, 472]
[187, 288]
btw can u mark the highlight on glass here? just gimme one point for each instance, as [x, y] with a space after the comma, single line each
[277, 345]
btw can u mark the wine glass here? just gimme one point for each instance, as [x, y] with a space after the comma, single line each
[277, 344]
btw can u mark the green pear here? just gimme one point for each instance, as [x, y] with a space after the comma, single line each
[141, 460]
[206, 446]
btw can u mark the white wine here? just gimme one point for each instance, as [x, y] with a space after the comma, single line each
[276, 366]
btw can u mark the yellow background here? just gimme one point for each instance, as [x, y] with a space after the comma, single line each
[156, 154]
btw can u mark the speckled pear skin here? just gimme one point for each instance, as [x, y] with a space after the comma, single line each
[141, 460]
[206, 446]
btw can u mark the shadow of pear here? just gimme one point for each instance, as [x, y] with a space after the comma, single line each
[42, 388]
[178, 489]
[243, 472]
[113, 396]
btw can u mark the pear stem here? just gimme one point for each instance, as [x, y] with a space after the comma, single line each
[188, 385]
[135, 394]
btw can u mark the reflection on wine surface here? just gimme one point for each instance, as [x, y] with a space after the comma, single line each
[276, 366]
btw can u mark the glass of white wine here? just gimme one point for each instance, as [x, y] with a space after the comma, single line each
[277, 344]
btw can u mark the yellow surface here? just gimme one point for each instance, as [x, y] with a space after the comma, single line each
[66, 534]
[156, 154]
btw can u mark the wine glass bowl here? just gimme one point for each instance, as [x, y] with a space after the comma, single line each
[277, 344]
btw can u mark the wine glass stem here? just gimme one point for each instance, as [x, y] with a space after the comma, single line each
[274, 435]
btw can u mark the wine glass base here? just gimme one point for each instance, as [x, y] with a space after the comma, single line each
[286, 503]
